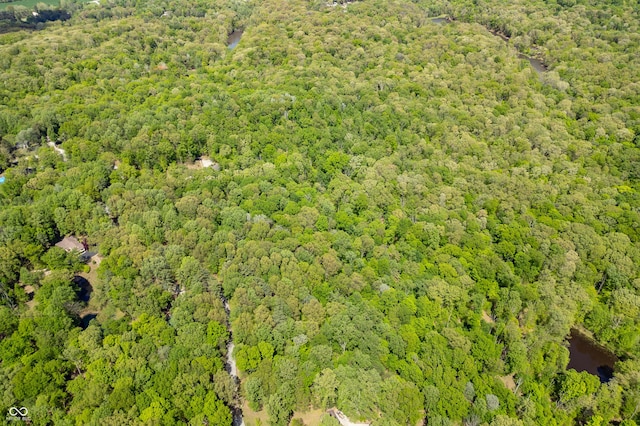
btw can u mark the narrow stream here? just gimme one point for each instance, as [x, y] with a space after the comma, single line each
[234, 39]
[230, 365]
[539, 67]
[537, 64]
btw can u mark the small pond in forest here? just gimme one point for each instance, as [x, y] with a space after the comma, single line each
[234, 38]
[84, 288]
[587, 355]
[439, 20]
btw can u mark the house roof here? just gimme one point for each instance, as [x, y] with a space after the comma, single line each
[69, 243]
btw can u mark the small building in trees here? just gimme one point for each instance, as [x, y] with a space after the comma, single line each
[204, 163]
[70, 243]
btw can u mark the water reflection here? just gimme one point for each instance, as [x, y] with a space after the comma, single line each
[586, 355]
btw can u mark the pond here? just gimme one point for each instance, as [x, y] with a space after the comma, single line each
[586, 355]
[234, 38]
[84, 289]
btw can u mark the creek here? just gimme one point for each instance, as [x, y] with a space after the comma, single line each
[439, 21]
[539, 67]
[230, 365]
[587, 355]
[234, 38]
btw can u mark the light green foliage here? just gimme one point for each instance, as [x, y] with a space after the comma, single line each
[247, 357]
[576, 385]
[325, 386]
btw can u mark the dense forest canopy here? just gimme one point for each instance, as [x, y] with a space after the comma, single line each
[405, 218]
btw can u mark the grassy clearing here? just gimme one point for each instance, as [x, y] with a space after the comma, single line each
[309, 418]
[253, 418]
